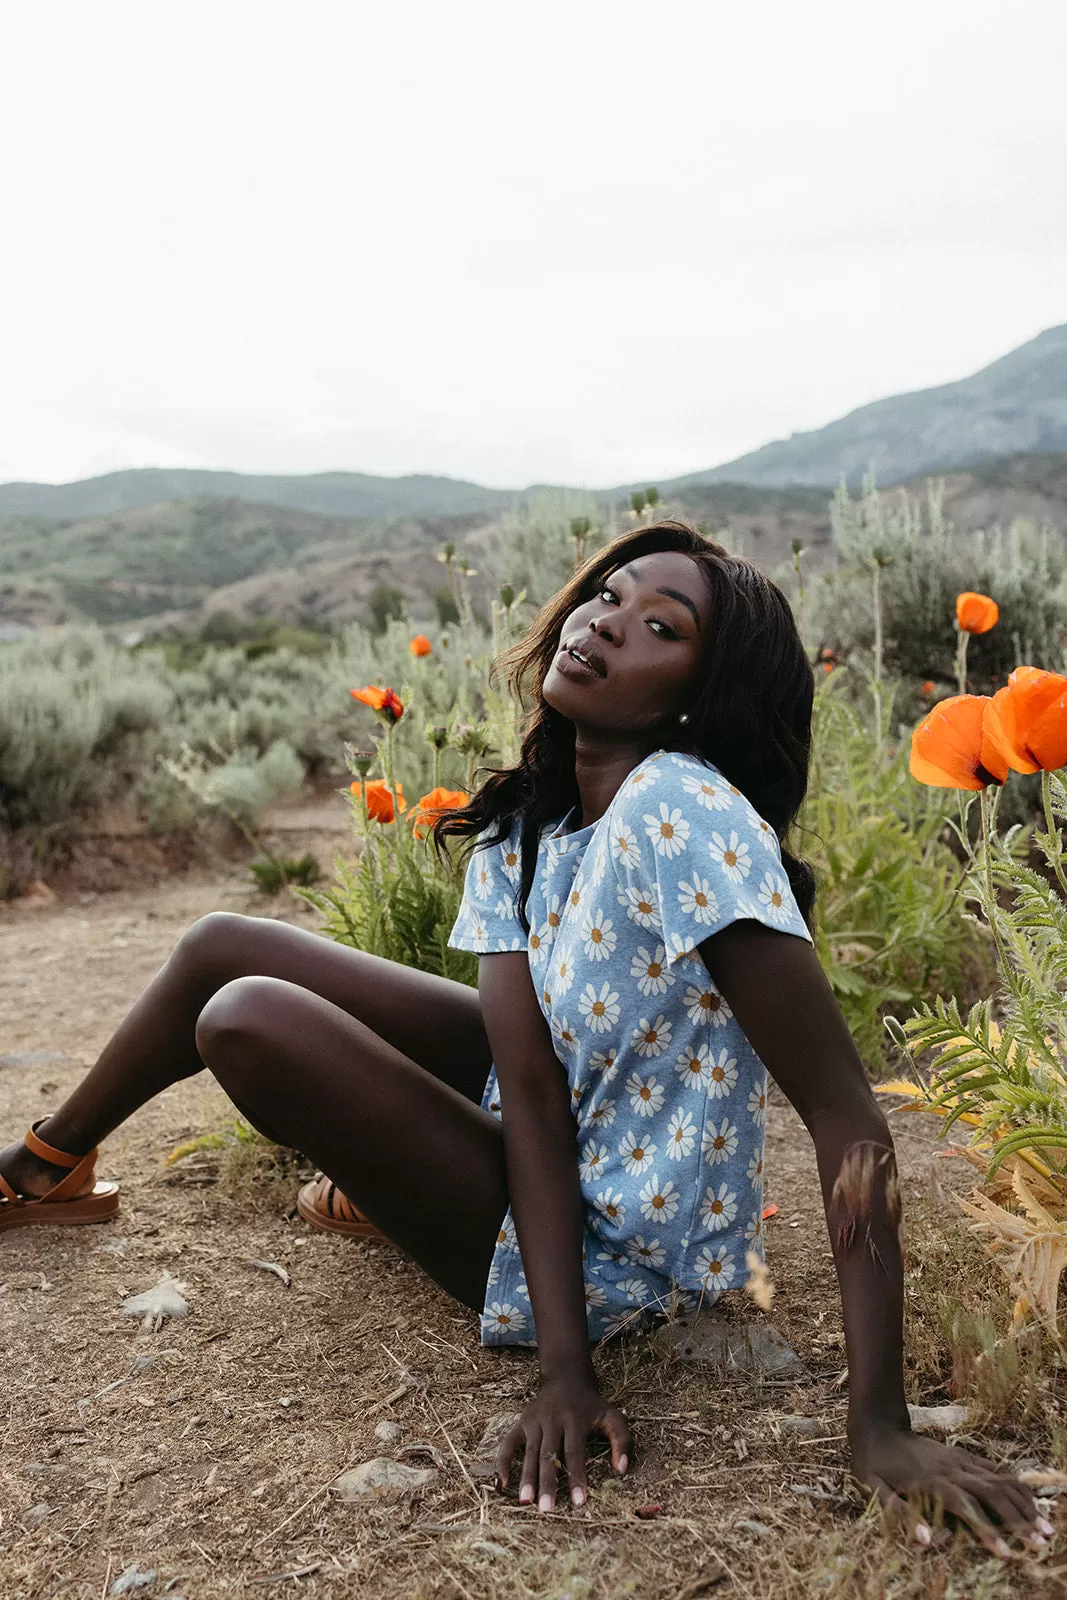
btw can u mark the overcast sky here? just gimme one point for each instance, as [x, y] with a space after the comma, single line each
[577, 242]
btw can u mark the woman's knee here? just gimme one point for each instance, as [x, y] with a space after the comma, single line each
[214, 946]
[241, 1013]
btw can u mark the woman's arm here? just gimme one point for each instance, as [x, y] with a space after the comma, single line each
[541, 1159]
[780, 996]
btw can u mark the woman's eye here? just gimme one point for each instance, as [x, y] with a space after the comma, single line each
[607, 594]
[668, 631]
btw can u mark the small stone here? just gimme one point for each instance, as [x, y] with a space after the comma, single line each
[382, 1476]
[133, 1578]
[938, 1419]
[36, 1514]
[752, 1526]
[389, 1433]
[489, 1547]
[707, 1340]
[805, 1425]
[164, 1299]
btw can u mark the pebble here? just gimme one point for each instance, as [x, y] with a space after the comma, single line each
[133, 1578]
[382, 1476]
[707, 1340]
[389, 1432]
[36, 1514]
[938, 1419]
[164, 1299]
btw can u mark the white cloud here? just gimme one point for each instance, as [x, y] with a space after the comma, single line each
[583, 242]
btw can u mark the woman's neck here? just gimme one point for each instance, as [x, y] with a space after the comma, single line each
[600, 768]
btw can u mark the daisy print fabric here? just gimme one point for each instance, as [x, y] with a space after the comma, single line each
[669, 1097]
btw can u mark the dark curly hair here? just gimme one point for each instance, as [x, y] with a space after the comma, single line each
[750, 715]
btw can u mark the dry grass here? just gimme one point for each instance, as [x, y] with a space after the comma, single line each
[212, 1460]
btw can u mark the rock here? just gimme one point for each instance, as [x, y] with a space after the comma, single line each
[483, 1467]
[29, 1058]
[804, 1425]
[132, 1579]
[389, 1432]
[938, 1419]
[489, 1547]
[708, 1340]
[36, 1514]
[382, 1476]
[164, 1299]
[36, 897]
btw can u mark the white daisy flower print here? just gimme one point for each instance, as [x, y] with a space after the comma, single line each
[494, 1274]
[757, 1105]
[640, 908]
[511, 866]
[599, 937]
[479, 935]
[722, 1075]
[506, 1239]
[732, 856]
[773, 896]
[605, 1062]
[754, 1229]
[651, 1038]
[712, 795]
[649, 967]
[669, 832]
[635, 1154]
[718, 1142]
[698, 899]
[506, 1318]
[624, 845]
[646, 1094]
[594, 1160]
[681, 1135]
[564, 1035]
[611, 1207]
[635, 1290]
[715, 1269]
[658, 1201]
[600, 861]
[483, 879]
[551, 862]
[562, 975]
[755, 1171]
[642, 779]
[719, 1207]
[513, 944]
[505, 908]
[599, 1008]
[601, 1115]
[705, 1006]
[594, 1296]
[693, 1066]
[609, 1255]
[538, 946]
[763, 831]
[682, 949]
[645, 1252]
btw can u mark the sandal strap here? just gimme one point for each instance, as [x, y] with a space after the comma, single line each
[8, 1192]
[73, 1181]
[49, 1153]
[330, 1199]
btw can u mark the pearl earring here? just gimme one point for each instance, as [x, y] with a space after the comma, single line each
[684, 717]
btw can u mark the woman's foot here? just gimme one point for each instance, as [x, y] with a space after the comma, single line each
[29, 1175]
[39, 1183]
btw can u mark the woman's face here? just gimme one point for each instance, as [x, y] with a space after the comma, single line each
[627, 658]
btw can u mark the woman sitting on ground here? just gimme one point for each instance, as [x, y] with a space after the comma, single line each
[645, 960]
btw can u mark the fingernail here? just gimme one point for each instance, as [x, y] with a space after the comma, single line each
[525, 1494]
[1045, 1527]
[922, 1533]
[1001, 1548]
[578, 1496]
[1038, 1541]
[623, 1463]
[545, 1503]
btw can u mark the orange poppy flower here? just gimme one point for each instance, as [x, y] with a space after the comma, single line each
[380, 799]
[1026, 723]
[432, 805]
[420, 645]
[947, 750]
[386, 702]
[976, 613]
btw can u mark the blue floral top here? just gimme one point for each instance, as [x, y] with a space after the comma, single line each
[668, 1094]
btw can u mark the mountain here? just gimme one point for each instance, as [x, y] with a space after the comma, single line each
[335, 494]
[1019, 404]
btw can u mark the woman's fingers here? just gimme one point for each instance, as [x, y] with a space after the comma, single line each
[530, 1463]
[614, 1426]
[967, 1508]
[575, 1439]
[507, 1451]
[999, 1497]
[900, 1513]
[549, 1470]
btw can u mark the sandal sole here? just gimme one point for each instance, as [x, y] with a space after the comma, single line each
[100, 1206]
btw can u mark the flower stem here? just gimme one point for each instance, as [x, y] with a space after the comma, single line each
[961, 661]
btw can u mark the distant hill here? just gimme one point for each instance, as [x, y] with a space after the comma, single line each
[1019, 404]
[334, 494]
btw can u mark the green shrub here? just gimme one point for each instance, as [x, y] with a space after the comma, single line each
[272, 874]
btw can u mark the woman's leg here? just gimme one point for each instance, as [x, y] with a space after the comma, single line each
[432, 1022]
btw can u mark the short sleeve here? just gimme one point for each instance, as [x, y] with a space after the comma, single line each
[488, 917]
[692, 856]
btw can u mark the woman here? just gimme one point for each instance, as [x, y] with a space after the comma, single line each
[645, 960]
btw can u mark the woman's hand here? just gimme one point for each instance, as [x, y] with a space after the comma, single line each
[553, 1432]
[904, 1469]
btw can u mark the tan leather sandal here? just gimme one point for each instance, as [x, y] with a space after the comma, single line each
[75, 1198]
[322, 1204]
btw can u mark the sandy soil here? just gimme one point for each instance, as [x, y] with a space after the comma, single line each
[205, 1452]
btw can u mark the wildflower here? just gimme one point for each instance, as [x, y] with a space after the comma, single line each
[976, 613]
[436, 735]
[1026, 722]
[380, 800]
[928, 689]
[948, 750]
[420, 645]
[385, 703]
[433, 805]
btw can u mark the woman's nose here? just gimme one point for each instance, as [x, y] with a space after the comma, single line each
[602, 627]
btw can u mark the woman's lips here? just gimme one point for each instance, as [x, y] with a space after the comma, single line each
[571, 667]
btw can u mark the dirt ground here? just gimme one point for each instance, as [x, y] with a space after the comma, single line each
[205, 1453]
